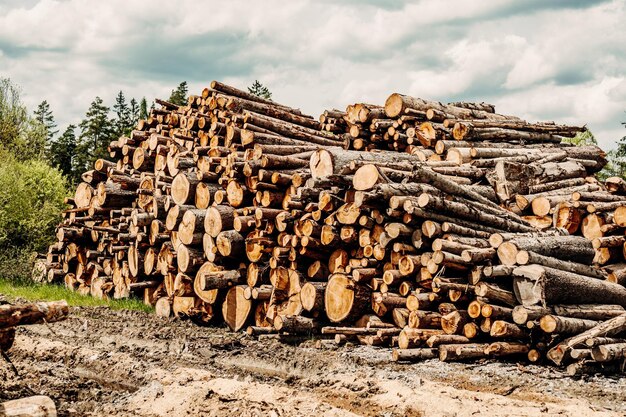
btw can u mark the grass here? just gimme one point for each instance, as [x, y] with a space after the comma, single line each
[48, 292]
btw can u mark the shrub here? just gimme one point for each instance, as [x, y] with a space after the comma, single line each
[31, 200]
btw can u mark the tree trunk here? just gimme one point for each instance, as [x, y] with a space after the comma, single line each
[413, 355]
[296, 324]
[459, 352]
[524, 257]
[572, 248]
[397, 104]
[535, 284]
[560, 353]
[312, 296]
[609, 352]
[565, 325]
[507, 349]
[236, 309]
[501, 328]
[35, 313]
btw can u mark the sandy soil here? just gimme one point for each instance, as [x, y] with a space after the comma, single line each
[101, 362]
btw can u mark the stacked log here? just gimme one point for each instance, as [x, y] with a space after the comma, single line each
[405, 225]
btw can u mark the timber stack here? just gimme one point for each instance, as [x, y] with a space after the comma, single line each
[446, 231]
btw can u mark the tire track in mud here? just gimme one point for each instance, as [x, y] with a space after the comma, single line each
[103, 362]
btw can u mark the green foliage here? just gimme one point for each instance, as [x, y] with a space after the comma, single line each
[31, 199]
[143, 108]
[44, 115]
[63, 153]
[13, 114]
[45, 292]
[582, 139]
[96, 131]
[16, 264]
[24, 136]
[134, 114]
[123, 122]
[621, 146]
[616, 166]
[179, 94]
[260, 90]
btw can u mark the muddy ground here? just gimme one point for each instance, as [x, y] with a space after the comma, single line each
[101, 362]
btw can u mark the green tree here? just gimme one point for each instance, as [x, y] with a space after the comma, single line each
[134, 113]
[123, 116]
[143, 109]
[24, 136]
[13, 114]
[179, 94]
[617, 160]
[615, 167]
[44, 115]
[63, 153]
[260, 90]
[31, 199]
[621, 146]
[96, 130]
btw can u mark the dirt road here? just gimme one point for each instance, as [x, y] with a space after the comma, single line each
[101, 362]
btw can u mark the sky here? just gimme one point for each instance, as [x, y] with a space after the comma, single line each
[558, 60]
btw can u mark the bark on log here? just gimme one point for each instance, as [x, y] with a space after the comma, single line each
[524, 257]
[609, 352]
[397, 104]
[571, 248]
[457, 352]
[534, 284]
[413, 355]
[507, 349]
[501, 328]
[296, 324]
[565, 325]
[560, 353]
[35, 313]
[7, 337]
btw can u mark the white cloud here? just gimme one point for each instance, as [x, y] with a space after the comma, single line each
[530, 68]
[536, 60]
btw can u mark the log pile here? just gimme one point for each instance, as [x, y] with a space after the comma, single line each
[446, 231]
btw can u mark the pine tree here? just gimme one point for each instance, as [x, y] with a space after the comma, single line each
[179, 95]
[123, 120]
[63, 153]
[143, 108]
[44, 115]
[96, 130]
[134, 113]
[260, 90]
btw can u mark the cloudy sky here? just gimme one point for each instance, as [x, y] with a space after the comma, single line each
[562, 60]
